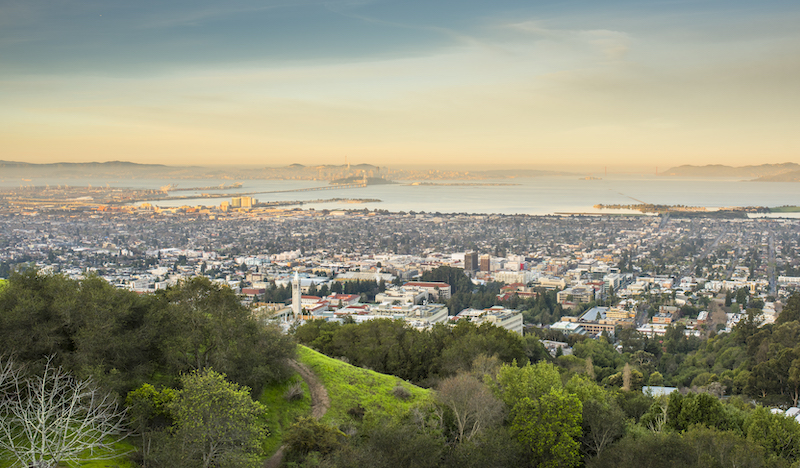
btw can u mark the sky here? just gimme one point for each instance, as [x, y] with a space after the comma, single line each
[437, 83]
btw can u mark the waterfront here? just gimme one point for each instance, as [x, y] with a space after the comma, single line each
[534, 196]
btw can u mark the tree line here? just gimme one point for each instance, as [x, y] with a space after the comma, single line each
[419, 356]
[189, 348]
[543, 415]
[493, 407]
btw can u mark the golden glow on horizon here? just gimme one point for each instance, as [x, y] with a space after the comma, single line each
[542, 96]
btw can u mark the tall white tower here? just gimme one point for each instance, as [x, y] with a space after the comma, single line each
[296, 298]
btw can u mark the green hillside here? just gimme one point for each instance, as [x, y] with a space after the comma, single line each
[282, 413]
[349, 387]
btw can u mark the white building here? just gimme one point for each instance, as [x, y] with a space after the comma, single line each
[436, 289]
[509, 319]
[402, 296]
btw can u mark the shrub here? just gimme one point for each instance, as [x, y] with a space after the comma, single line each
[401, 393]
[294, 392]
[357, 412]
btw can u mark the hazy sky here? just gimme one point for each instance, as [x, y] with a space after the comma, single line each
[442, 83]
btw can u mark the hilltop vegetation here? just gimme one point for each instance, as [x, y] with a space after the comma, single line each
[187, 362]
[581, 410]
[122, 339]
[357, 393]
[422, 357]
[157, 350]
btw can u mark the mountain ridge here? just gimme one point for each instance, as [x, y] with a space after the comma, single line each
[720, 170]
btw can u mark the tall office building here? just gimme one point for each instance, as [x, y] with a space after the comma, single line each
[486, 263]
[471, 261]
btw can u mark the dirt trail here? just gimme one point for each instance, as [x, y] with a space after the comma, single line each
[320, 402]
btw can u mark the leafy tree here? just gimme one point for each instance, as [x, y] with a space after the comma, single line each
[545, 418]
[778, 434]
[603, 419]
[715, 448]
[656, 379]
[693, 409]
[392, 443]
[647, 449]
[603, 355]
[533, 381]
[200, 324]
[309, 435]
[217, 424]
[123, 340]
[149, 408]
[791, 311]
[493, 448]
[548, 427]
[741, 296]
[603, 423]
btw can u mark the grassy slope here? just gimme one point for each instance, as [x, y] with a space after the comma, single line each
[121, 460]
[350, 386]
[280, 413]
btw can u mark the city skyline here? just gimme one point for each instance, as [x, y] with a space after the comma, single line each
[551, 84]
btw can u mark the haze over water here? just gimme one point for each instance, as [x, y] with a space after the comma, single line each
[535, 196]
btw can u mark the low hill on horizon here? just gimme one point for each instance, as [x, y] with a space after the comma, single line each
[765, 171]
[125, 170]
[793, 176]
[108, 169]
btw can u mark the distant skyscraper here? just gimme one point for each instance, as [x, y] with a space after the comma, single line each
[471, 261]
[486, 263]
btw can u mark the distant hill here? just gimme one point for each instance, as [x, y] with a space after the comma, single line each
[123, 170]
[719, 170]
[793, 176]
[110, 169]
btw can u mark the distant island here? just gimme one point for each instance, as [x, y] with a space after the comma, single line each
[785, 172]
[702, 211]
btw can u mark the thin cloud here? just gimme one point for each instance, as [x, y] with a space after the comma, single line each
[613, 44]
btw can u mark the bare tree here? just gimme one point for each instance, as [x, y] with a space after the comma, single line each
[473, 405]
[626, 377]
[589, 365]
[54, 417]
[660, 421]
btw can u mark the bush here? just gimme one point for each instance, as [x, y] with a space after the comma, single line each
[401, 393]
[357, 412]
[309, 435]
[294, 392]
